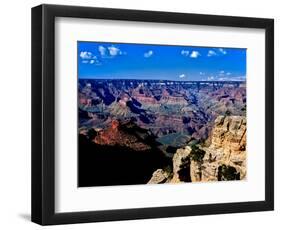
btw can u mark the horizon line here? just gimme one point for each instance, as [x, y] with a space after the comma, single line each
[130, 79]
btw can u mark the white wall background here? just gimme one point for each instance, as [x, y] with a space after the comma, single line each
[15, 113]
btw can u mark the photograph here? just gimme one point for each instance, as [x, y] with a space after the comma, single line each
[142, 113]
[157, 114]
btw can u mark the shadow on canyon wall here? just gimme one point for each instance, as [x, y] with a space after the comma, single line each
[104, 165]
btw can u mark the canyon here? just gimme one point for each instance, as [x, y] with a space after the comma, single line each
[150, 131]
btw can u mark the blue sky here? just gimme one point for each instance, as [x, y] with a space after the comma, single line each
[100, 60]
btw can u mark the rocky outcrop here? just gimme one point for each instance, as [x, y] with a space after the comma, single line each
[223, 159]
[121, 134]
[181, 165]
[159, 177]
[228, 147]
[187, 167]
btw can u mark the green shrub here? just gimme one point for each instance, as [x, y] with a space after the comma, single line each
[227, 113]
[196, 153]
[227, 173]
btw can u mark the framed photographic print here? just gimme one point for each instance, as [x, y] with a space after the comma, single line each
[142, 114]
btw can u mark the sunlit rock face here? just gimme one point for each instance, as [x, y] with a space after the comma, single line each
[181, 165]
[159, 177]
[223, 159]
[228, 145]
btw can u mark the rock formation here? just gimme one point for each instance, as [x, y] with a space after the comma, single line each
[228, 147]
[224, 159]
[121, 134]
[159, 177]
[181, 166]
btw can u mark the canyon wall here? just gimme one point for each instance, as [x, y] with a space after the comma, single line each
[223, 159]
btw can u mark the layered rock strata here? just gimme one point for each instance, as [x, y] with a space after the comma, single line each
[223, 159]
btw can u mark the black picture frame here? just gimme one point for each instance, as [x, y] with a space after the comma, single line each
[43, 110]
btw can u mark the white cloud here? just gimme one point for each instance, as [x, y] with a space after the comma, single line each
[211, 53]
[110, 51]
[222, 51]
[95, 61]
[86, 55]
[148, 54]
[210, 78]
[228, 73]
[194, 54]
[113, 51]
[201, 73]
[234, 78]
[102, 50]
[185, 53]
[191, 54]
[182, 76]
[216, 52]
[238, 78]
[89, 58]
[221, 73]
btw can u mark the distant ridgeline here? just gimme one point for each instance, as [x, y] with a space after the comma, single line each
[137, 82]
